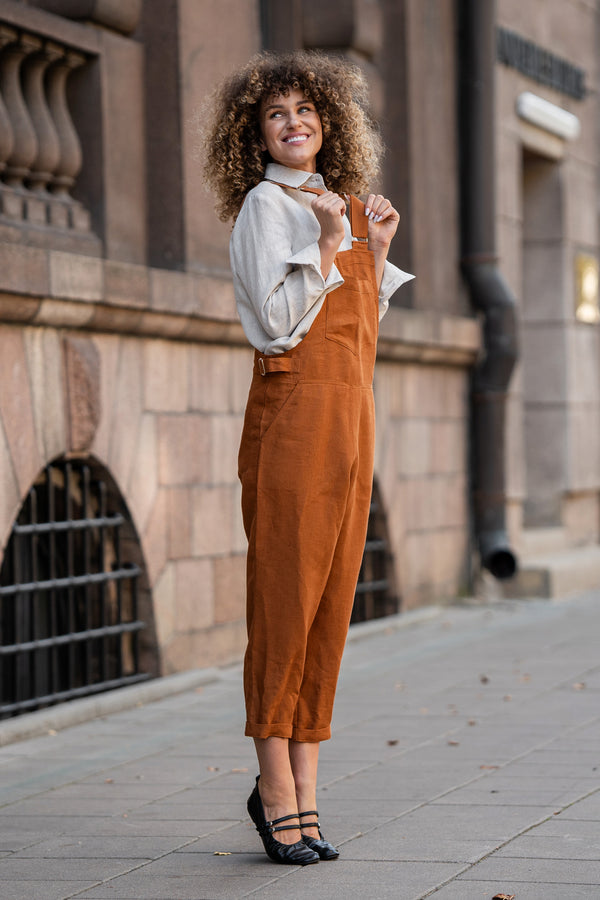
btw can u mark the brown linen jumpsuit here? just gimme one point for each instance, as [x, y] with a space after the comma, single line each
[306, 467]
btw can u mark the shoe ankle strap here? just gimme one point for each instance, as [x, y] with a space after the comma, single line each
[311, 812]
[273, 826]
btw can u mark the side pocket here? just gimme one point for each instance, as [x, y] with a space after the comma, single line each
[278, 393]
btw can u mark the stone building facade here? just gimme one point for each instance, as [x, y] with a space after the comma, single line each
[547, 225]
[120, 350]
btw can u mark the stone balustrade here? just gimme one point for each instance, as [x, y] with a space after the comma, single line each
[40, 150]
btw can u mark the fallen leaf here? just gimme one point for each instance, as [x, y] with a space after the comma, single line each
[109, 781]
[199, 690]
[507, 697]
[484, 679]
[453, 743]
[525, 678]
[579, 685]
[240, 770]
[393, 742]
[472, 722]
[489, 767]
[222, 853]
[424, 710]
[125, 815]
[503, 897]
[52, 732]
[212, 768]
[400, 686]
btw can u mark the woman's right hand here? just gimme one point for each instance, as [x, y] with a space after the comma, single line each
[329, 208]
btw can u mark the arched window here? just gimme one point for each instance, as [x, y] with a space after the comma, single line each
[75, 611]
[376, 595]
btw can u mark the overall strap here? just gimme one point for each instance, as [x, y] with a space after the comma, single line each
[359, 224]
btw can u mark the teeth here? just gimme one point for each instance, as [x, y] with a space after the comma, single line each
[295, 140]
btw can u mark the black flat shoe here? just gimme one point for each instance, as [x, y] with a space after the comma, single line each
[298, 854]
[325, 850]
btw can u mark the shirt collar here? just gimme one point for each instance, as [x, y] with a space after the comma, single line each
[293, 178]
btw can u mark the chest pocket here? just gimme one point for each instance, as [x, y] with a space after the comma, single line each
[343, 309]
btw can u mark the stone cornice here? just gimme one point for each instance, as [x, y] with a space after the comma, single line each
[70, 291]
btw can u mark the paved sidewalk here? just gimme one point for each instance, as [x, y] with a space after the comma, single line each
[465, 762]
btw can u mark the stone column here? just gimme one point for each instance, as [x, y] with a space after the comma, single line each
[25, 145]
[8, 207]
[48, 155]
[7, 36]
[70, 159]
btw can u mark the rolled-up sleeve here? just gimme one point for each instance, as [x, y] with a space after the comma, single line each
[277, 283]
[393, 278]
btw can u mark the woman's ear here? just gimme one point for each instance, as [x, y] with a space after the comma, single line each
[262, 145]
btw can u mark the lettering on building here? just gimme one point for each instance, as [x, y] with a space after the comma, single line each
[539, 64]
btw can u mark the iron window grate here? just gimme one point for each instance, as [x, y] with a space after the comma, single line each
[375, 595]
[69, 624]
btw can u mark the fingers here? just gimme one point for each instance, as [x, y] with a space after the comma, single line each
[329, 203]
[378, 208]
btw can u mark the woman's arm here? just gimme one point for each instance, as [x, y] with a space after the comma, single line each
[329, 208]
[383, 222]
[280, 283]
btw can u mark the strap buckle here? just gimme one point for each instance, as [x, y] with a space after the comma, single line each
[261, 366]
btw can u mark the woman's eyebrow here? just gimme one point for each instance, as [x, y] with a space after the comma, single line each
[280, 105]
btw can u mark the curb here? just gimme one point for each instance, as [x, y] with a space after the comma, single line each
[76, 712]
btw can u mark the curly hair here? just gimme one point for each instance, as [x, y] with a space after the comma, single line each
[352, 148]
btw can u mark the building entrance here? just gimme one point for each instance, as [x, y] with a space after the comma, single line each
[543, 341]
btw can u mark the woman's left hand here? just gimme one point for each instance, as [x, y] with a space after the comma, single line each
[383, 220]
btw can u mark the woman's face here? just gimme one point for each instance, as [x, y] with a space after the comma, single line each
[291, 130]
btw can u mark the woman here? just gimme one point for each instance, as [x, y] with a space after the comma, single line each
[290, 136]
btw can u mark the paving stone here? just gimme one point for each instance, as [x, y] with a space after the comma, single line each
[589, 808]
[95, 846]
[380, 845]
[563, 826]
[41, 890]
[357, 880]
[13, 869]
[514, 870]
[189, 887]
[540, 846]
[485, 890]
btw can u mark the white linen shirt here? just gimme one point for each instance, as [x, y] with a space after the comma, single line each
[276, 262]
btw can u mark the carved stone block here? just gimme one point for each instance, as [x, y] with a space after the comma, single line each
[82, 368]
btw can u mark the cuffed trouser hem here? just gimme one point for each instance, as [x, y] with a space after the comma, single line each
[284, 730]
[311, 736]
[274, 729]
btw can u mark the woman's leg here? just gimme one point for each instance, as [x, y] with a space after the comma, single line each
[304, 759]
[276, 786]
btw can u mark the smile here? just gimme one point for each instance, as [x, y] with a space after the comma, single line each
[296, 139]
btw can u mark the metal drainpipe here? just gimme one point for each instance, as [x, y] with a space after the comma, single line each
[489, 293]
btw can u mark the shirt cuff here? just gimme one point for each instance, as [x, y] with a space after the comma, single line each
[311, 257]
[393, 277]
